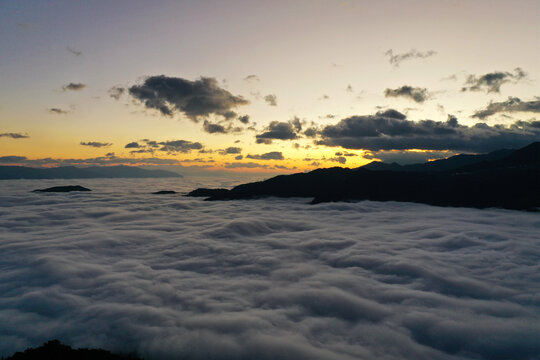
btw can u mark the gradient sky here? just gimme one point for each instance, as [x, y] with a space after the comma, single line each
[323, 60]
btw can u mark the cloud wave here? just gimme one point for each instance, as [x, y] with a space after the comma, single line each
[176, 277]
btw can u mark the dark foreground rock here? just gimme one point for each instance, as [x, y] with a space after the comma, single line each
[164, 192]
[54, 350]
[510, 183]
[63, 189]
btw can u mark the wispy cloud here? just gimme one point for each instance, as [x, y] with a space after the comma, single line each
[513, 104]
[15, 135]
[416, 94]
[74, 86]
[95, 144]
[492, 82]
[397, 59]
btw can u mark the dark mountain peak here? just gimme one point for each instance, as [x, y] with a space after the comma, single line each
[529, 154]
[382, 166]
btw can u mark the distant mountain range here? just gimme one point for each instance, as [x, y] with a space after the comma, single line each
[505, 178]
[72, 172]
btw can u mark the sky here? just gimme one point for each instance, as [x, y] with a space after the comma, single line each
[265, 86]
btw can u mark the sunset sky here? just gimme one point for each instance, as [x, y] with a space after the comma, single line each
[275, 86]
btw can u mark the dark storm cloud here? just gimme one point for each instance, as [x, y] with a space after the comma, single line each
[73, 51]
[195, 99]
[513, 104]
[277, 130]
[391, 130]
[492, 82]
[74, 86]
[116, 92]
[271, 99]
[396, 59]
[57, 111]
[416, 94]
[132, 145]
[272, 155]
[96, 144]
[15, 135]
[182, 146]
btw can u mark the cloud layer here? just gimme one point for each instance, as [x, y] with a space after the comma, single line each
[175, 277]
[391, 130]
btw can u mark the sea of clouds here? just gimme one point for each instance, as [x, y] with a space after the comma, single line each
[171, 277]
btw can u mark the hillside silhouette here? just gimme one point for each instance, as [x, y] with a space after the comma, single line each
[505, 178]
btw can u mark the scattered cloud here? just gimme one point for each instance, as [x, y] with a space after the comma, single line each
[132, 145]
[212, 128]
[238, 157]
[492, 82]
[272, 155]
[252, 78]
[391, 130]
[397, 59]
[182, 146]
[416, 94]
[116, 92]
[73, 51]
[339, 159]
[513, 104]
[271, 99]
[57, 111]
[15, 135]
[74, 87]
[231, 150]
[96, 144]
[195, 99]
[277, 130]
[244, 119]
